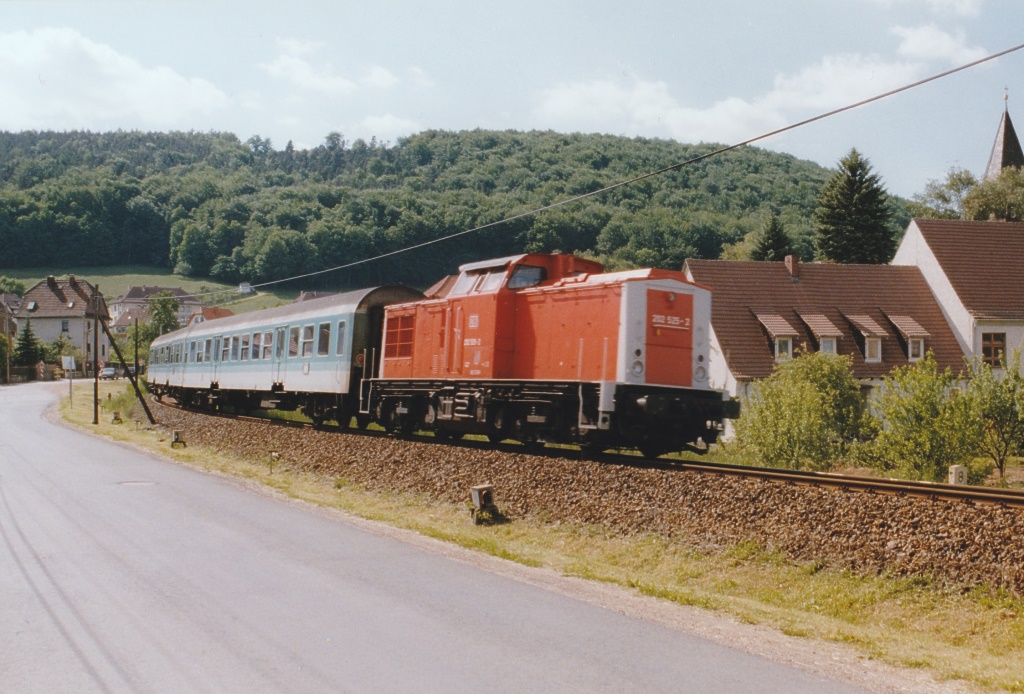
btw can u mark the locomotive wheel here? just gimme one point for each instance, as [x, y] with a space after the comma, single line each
[651, 451]
[445, 435]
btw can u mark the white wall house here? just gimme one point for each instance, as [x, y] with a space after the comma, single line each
[976, 272]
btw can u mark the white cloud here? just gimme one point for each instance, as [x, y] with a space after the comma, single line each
[961, 8]
[305, 75]
[648, 108]
[420, 77]
[931, 43]
[386, 128]
[57, 78]
[379, 77]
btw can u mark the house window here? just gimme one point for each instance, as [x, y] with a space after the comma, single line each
[827, 345]
[915, 348]
[872, 349]
[65, 326]
[783, 348]
[993, 347]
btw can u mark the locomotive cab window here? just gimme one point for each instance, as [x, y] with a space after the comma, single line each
[492, 280]
[525, 276]
[465, 283]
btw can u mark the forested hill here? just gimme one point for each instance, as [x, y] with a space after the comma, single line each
[207, 204]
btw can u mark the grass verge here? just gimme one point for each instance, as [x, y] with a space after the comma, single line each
[974, 635]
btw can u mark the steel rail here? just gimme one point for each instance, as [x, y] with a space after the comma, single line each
[867, 485]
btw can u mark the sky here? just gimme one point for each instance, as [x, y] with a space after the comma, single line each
[723, 71]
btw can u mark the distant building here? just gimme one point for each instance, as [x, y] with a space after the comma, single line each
[126, 321]
[64, 307]
[208, 313]
[9, 304]
[1006, 150]
[140, 297]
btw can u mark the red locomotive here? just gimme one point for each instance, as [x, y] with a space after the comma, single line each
[541, 347]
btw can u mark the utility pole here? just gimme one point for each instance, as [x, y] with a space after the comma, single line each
[95, 354]
[136, 347]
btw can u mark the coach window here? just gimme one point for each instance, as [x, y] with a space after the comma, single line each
[199, 352]
[257, 339]
[293, 342]
[339, 346]
[225, 350]
[307, 340]
[323, 340]
[192, 351]
[245, 347]
[525, 276]
[268, 344]
[235, 342]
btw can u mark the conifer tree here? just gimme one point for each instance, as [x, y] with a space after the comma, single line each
[852, 221]
[772, 243]
[28, 351]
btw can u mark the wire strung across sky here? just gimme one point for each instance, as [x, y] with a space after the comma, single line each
[620, 184]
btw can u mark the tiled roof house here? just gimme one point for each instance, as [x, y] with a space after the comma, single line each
[64, 306]
[140, 297]
[210, 313]
[976, 271]
[880, 315]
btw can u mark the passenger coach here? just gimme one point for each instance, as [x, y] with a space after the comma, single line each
[307, 356]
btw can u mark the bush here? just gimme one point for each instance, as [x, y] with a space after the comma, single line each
[928, 423]
[804, 416]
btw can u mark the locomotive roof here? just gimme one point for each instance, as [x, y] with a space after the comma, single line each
[346, 302]
[493, 262]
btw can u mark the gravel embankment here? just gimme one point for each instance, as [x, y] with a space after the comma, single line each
[952, 542]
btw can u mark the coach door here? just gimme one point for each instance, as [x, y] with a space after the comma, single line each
[280, 340]
[215, 359]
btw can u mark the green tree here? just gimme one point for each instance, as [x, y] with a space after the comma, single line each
[945, 199]
[853, 217]
[1000, 198]
[927, 422]
[771, 243]
[9, 285]
[163, 317]
[28, 351]
[999, 396]
[61, 347]
[804, 416]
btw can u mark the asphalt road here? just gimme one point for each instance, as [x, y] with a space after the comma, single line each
[121, 572]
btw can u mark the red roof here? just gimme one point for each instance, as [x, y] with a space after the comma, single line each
[753, 303]
[984, 261]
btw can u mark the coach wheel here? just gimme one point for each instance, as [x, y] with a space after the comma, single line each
[651, 451]
[496, 430]
[363, 420]
[446, 435]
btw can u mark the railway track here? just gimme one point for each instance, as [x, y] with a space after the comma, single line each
[868, 485]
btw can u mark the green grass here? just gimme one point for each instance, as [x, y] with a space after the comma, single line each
[975, 635]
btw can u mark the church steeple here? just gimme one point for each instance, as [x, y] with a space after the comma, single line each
[1006, 151]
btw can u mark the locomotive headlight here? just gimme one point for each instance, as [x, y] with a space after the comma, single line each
[638, 368]
[700, 373]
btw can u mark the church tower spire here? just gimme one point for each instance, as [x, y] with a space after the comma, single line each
[1006, 151]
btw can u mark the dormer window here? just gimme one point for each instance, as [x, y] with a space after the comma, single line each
[827, 345]
[872, 349]
[915, 348]
[783, 348]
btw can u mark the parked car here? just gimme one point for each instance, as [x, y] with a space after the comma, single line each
[108, 373]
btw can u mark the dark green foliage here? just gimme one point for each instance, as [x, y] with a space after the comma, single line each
[11, 286]
[1000, 198]
[208, 204]
[853, 220]
[772, 243]
[945, 199]
[163, 317]
[28, 351]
